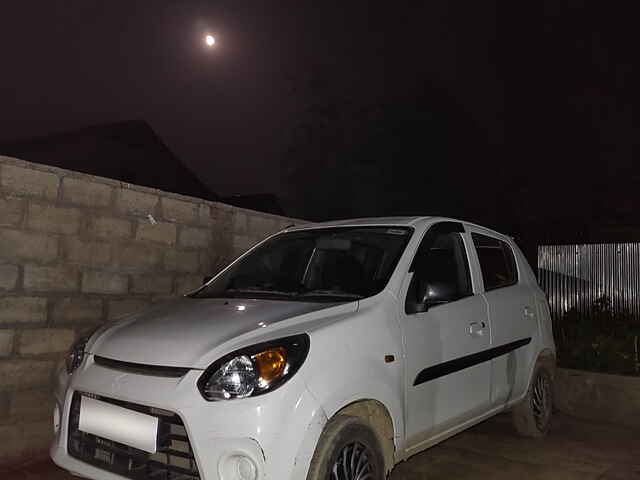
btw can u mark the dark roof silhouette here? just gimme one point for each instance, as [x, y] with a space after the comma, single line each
[127, 151]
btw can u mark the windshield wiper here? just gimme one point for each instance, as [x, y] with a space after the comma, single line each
[310, 293]
[260, 291]
[330, 293]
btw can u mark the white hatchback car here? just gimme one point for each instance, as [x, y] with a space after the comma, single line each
[327, 352]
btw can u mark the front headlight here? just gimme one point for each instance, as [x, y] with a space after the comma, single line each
[254, 370]
[76, 353]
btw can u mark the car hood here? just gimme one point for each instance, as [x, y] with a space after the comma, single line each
[183, 332]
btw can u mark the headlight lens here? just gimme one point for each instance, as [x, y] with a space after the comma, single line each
[254, 370]
[76, 353]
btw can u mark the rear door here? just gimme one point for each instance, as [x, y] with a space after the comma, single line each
[511, 313]
[445, 385]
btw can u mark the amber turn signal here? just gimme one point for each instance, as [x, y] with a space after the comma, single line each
[271, 363]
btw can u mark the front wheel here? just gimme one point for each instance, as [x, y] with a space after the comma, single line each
[347, 450]
[532, 416]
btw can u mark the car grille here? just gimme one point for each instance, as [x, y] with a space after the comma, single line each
[174, 459]
[141, 369]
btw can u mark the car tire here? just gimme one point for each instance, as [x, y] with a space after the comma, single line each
[532, 416]
[347, 450]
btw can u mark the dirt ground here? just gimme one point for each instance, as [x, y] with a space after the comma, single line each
[575, 449]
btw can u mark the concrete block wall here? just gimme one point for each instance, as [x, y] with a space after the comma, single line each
[77, 250]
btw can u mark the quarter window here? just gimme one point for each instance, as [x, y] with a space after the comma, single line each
[497, 262]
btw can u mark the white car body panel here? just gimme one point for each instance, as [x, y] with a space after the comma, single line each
[204, 325]
[345, 364]
[434, 406]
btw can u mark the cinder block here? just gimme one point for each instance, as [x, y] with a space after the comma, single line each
[240, 222]
[45, 340]
[161, 232]
[6, 342]
[136, 258]
[188, 283]
[179, 210]
[109, 227]
[205, 262]
[242, 243]
[104, 282]
[8, 277]
[120, 308]
[205, 215]
[77, 310]
[24, 374]
[32, 405]
[48, 218]
[26, 181]
[50, 279]
[22, 310]
[152, 284]
[83, 192]
[212, 263]
[5, 405]
[85, 252]
[177, 261]
[191, 237]
[286, 223]
[17, 245]
[11, 212]
[135, 203]
[223, 216]
[262, 227]
[25, 440]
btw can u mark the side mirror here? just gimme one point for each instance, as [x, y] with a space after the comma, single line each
[429, 293]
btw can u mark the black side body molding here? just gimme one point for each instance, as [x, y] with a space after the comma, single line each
[452, 366]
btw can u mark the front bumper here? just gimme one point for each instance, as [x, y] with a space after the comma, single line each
[277, 431]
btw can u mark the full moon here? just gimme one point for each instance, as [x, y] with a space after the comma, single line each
[210, 40]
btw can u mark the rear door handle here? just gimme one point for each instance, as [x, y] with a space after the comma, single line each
[528, 312]
[476, 329]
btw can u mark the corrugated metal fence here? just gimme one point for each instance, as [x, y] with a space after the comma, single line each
[575, 276]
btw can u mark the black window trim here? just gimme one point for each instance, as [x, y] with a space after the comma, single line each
[513, 256]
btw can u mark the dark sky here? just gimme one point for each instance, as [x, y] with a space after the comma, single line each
[514, 113]
[228, 112]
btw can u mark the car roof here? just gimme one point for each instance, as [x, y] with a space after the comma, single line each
[407, 221]
[370, 221]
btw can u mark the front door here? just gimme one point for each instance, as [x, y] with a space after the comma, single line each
[445, 385]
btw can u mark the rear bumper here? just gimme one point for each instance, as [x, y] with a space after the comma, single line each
[277, 431]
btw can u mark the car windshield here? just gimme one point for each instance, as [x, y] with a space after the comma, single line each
[329, 264]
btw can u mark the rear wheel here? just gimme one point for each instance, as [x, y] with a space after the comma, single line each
[532, 416]
[347, 450]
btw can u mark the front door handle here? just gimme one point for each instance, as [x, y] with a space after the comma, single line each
[476, 329]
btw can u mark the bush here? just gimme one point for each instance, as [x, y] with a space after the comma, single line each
[599, 340]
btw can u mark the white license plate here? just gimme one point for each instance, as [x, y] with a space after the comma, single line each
[119, 424]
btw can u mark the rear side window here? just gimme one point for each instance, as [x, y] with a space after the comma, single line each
[497, 262]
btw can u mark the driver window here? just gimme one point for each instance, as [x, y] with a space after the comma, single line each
[441, 261]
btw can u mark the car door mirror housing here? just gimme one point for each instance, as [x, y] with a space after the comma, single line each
[430, 293]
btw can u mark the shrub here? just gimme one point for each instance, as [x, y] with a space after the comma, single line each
[600, 339]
